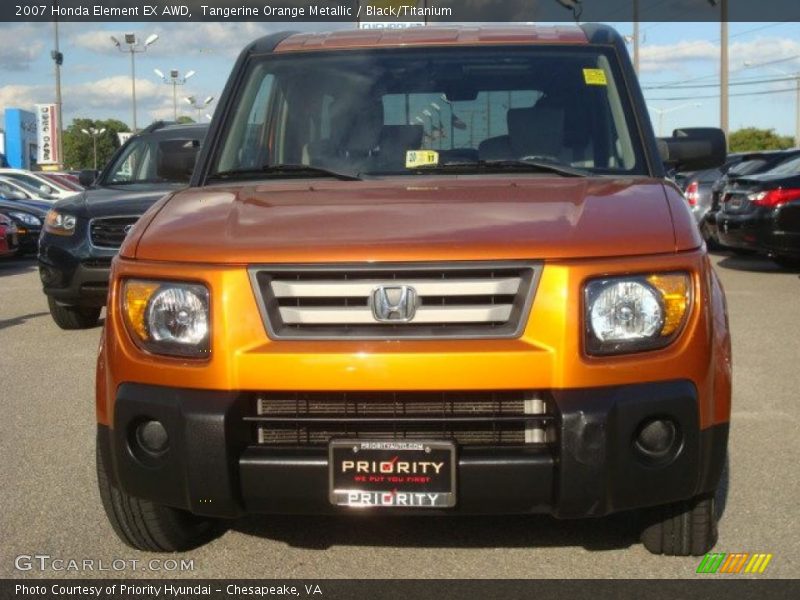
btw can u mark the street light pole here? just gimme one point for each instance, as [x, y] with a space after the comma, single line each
[796, 76]
[58, 59]
[199, 106]
[95, 133]
[724, 68]
[174, 79]
[797, 114]
[133, 44]
[663, 111]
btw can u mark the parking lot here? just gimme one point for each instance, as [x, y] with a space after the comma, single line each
[51, 506]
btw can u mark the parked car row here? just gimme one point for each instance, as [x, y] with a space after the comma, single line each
[751, 204]
[83, 233]
[25, 198]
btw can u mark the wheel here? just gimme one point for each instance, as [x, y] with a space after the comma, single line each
[144, 525]
[685, 528]
[73, 317]
[787, 262]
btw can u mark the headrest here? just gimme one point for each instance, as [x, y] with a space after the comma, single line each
[406, 137]
[537, 130]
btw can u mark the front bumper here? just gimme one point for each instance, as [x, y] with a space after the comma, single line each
[73, 271]
[214, 468]
[775, 232]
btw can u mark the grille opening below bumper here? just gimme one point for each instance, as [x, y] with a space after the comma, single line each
[312, 419]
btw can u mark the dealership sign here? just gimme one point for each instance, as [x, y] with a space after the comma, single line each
[47, 134]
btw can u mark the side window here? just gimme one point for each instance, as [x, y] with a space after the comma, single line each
[252, 150]
[247, 143]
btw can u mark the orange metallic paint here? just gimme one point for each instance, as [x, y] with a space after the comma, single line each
[548, 355]
[431, 36]
[413, 218]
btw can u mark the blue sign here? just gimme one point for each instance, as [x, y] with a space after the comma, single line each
[21, 140]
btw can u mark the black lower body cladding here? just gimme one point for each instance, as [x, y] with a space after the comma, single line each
[212, 466]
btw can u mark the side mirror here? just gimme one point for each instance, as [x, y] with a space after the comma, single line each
[694, 148]
[45, 189]
[87, 177]
[176, 159]
[17, 195]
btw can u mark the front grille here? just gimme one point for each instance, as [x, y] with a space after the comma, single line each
[456, 300]
[469, 418]
[109, 232]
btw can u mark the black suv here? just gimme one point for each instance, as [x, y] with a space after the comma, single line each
[83, 233]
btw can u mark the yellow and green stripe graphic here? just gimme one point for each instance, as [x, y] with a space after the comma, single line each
[734, 563]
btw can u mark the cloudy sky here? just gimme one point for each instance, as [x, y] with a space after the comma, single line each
[680, 66]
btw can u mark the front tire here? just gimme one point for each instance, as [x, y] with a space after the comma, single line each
[684, 528]
[73, 317]
[144, 525]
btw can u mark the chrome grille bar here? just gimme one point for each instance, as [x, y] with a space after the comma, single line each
[425, 314]
[425, 287]
[439, 300]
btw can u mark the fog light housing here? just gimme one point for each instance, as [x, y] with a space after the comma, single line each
[152, 437]
[658, 440]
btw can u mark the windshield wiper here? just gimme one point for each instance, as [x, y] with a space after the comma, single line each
[507, 165]
[285, 169]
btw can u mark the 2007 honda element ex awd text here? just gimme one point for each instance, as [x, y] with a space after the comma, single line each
[433, 271]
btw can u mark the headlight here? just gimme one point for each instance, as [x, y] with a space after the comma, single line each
[26, 218]
[167, 317]
[631, 314]
[59, 223]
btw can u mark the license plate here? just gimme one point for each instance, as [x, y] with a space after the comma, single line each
[407, 474]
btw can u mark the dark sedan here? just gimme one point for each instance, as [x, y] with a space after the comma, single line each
[83, 233]
[762, 213]
[752, 163]
[28, 217]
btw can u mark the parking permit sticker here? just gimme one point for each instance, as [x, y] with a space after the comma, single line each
[421, 158]
[594, 77]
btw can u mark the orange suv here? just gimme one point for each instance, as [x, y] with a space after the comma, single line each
[432, 271]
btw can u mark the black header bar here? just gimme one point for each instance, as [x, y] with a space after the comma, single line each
[401, 11]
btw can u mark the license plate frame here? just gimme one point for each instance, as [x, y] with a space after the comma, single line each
[410, 482]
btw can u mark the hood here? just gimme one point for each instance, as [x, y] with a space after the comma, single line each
[22, 206]
[110, 201]
[408, 219]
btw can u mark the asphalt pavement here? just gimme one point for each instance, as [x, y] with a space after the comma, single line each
[50, 505]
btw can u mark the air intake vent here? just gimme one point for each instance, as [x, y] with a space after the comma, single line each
[457, 300]
[472, 418]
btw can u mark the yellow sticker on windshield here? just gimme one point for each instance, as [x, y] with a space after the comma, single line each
[595, 77]
[421, 158]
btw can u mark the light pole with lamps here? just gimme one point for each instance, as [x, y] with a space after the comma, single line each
[174, 79]
[199, 106]
[132, 44]
[796, 77]
[665, 111]
[95, 133]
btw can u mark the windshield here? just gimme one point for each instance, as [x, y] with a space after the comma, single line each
[27, 189]
[151, 159]
[405, 111]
